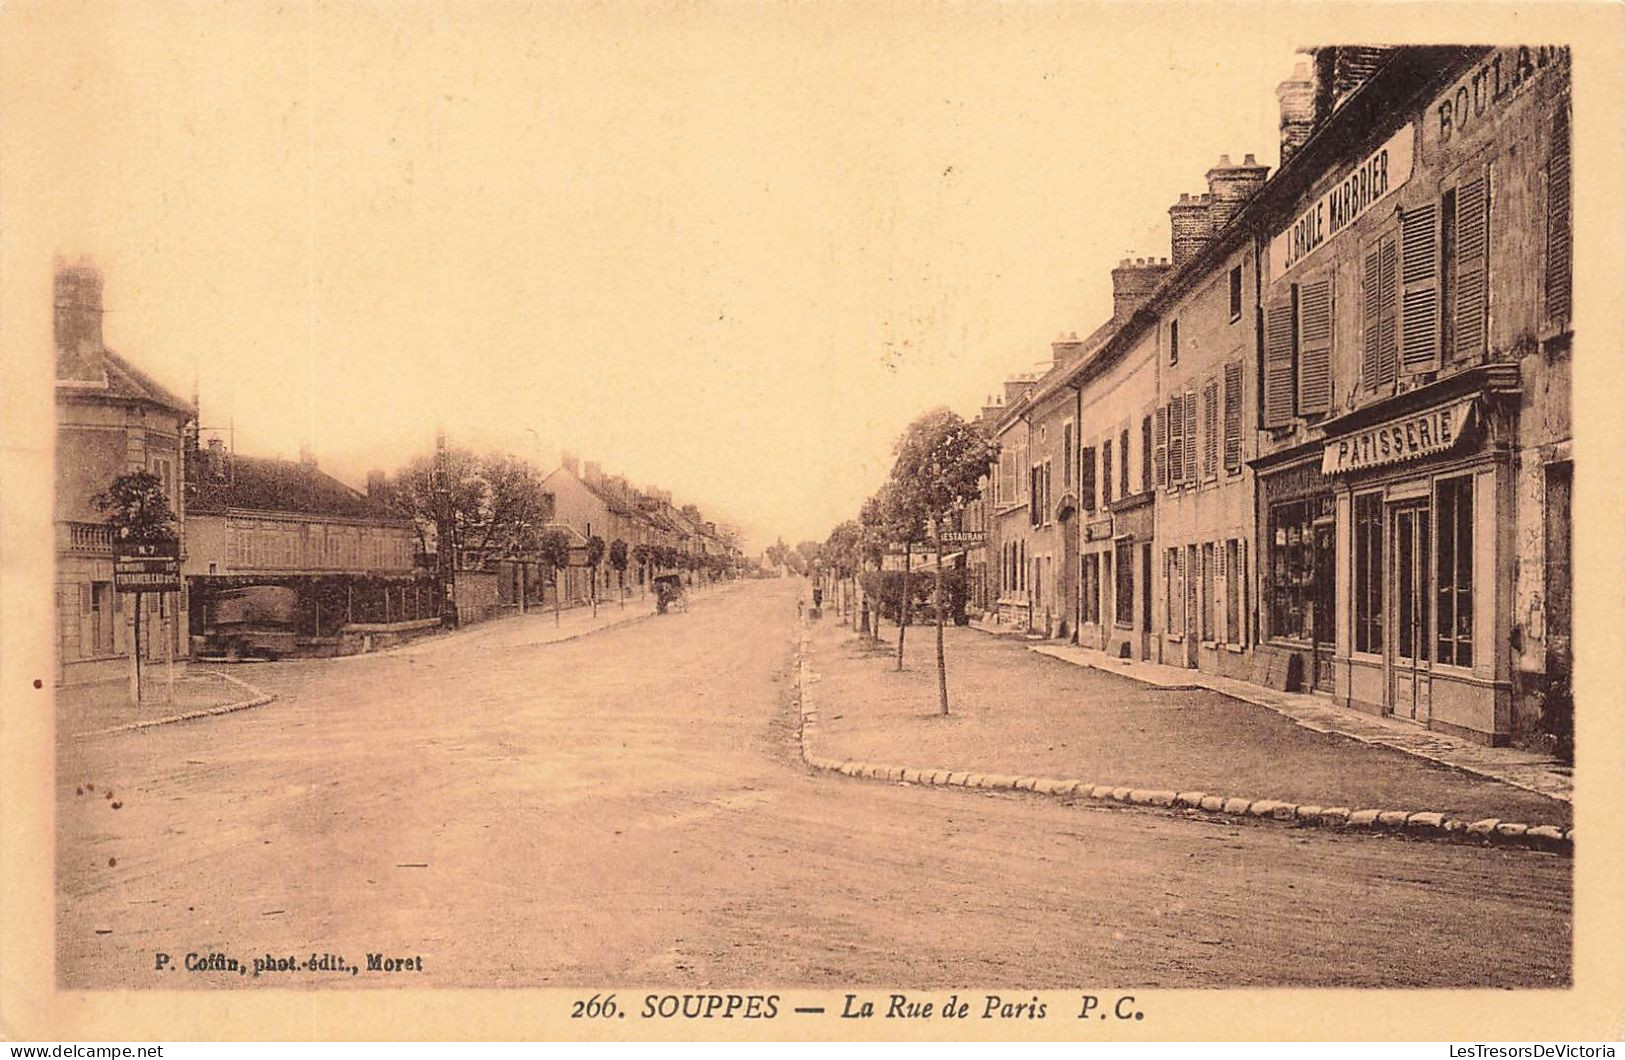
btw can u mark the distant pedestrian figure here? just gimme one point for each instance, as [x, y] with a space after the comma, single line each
[801, 608]
[818, 598]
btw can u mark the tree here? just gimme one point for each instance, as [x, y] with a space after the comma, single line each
[903, 521]
[841, 550]
[595, 558]
[136, 508]
[554, 549]
[618, 559]
[940, 460]
[872, 541]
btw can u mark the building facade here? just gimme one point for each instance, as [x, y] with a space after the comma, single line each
[1415, 466]
[112, 418]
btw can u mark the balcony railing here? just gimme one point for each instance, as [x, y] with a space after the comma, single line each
[84, 539]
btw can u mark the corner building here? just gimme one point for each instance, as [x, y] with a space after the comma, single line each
[1414, 460]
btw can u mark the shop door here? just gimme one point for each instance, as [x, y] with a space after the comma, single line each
[1069, 579]
[1146, 582]
[1408, 593]
[1324, 591]
[1193, 582]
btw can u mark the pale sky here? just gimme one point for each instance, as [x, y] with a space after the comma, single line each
[727, 249]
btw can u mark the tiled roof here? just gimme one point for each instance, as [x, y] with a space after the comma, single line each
[103, 373]
[261, 484]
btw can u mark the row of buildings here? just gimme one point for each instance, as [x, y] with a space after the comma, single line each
[1327, 445]
[353, 570]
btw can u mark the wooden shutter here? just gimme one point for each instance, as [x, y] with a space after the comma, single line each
[1232, 416]
[1210, 429]
[1471, 274]
[1379, 353]
[1086, 479]
[1159, 433]
[1176, 440]
[1190, 436]
[1278, 363]
[1559, 225]
[1315, 348]
[1106, 471]
[1419, 277]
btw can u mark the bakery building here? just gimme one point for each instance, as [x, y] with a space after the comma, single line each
[1414, 465]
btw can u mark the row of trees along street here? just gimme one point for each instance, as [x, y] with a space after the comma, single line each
[493, 506]
[939, 462]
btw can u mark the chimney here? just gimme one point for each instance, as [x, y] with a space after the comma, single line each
[1349, 68]
[571, 464]
[1066, 347]
[375, 483]
[591, 473]
[1230, 186]
[990, 411]
[1014, 389]
[1297, 96]
[306, 457]
[1133, 281]
[77, 299]
[1192, 226]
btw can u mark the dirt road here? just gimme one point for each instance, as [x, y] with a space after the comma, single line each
[628, 808]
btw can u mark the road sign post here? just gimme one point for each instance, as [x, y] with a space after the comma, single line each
[141, 567]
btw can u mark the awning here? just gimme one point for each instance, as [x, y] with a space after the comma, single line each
[1430, 433]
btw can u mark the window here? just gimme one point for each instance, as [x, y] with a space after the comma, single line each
[1455, 570]
[1086, 481]
[101, 618]
[1145, 455]
[1559, 550]
[1235, 294]
[1174, 586]
[1122, 460]
[1125, 583]
[1232, 417]
[1296, 602]
[1035, 495]
[1469, 268]
[1280, 360]
[1176, 440]
[1106, 472]
[1419, 295]
[1091, 588]
[1049, 491]
[1368, 572]
[1315, 348]
[1232, 591]
[1066, 455]
[1173, 342]
[1210, 429]
[1207, 591]
[1190, 434]
[1379, 355]
[1559, 225]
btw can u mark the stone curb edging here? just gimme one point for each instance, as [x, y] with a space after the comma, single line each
[1421, 825]
[256, 698]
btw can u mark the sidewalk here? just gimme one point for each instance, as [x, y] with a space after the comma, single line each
[83, 710]
[1021, 712]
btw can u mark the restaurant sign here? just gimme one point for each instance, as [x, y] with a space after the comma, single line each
[1384, 171]
[1409, 438]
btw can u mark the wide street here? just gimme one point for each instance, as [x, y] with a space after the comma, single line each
[628, 808]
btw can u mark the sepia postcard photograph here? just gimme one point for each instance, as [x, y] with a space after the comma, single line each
[824, 521]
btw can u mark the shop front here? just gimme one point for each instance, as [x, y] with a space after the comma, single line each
[1423, 505]
[1298, 575]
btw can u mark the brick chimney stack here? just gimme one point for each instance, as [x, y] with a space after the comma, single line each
[1297, 96]
[1192, 226]
[991, 410]
[77, 295]
[1230, 186]
[571, 463]
[1133, 281]
[1066, 347]
[1015, 389]
[375, 483]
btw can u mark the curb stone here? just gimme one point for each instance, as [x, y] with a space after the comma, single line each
[1417, 824]
[256, 698]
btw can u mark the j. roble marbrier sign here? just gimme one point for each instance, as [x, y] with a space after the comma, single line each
[1384, 171]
